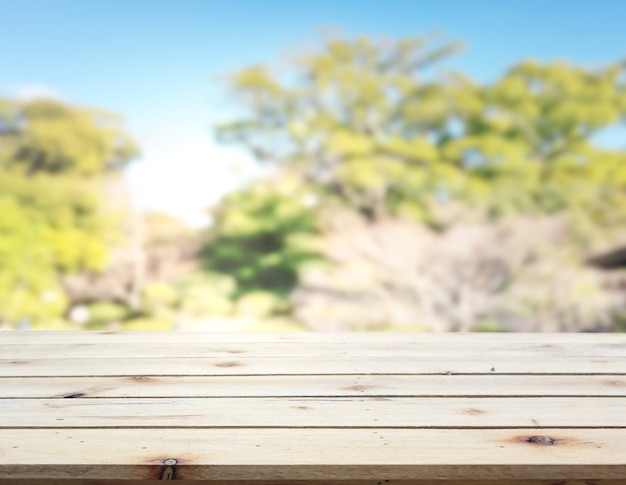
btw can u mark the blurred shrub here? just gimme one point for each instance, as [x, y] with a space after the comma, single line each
[260, 304]
[478, 275]
[103, 313]
[206, 294]
[54, 324]
[262, 235]
[159, 299]
[147, 324]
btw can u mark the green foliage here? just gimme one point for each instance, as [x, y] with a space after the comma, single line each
[530, 147]
[52, 161]
[158, 299]
[368, 124]
[361, 123]
[103, 313]
[260, 304]
[48, 227]
[357, 122]
[51, 137]
[219, 284]
[147, 324]
[204, 294]
[262, 236]
[54, 324]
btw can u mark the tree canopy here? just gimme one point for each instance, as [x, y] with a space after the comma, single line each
[399, 187]
[380, 128]
[53, 160]
[376, 127]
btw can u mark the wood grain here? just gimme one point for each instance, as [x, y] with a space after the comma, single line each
[293, 409]
[484, 364]
[316, 386]
[479, 413]
[291, 454]
[456, 349]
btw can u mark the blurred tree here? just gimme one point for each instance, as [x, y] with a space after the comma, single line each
[156, 248]
[527, 141]
[46, 136]
[104, 315]
[53, 158]
[355, 119]
[371, 124]
[516, 273]
[264, 235]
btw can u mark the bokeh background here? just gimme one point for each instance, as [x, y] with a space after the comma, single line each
[329, 165]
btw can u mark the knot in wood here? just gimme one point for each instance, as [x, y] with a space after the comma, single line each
[542, 440]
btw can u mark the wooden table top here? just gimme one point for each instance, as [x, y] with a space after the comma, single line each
[353, 409]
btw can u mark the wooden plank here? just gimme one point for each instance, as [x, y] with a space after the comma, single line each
[86, 337]
[140, 401]
[314, 413]
[307, 366]
[316, 386]
[396, 350]
[292, 454]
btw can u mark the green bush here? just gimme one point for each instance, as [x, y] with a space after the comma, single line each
[260, 304]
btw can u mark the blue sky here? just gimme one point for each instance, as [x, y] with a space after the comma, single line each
[156, 62]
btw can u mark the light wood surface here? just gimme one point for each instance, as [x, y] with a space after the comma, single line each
[315, 350]
[317, 386]
[323, 412]
[294, 409]
[304, 453]
[237, 365]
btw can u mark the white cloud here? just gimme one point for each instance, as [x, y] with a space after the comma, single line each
[31, 91]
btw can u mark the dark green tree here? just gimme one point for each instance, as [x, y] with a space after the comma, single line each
[263, 236]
